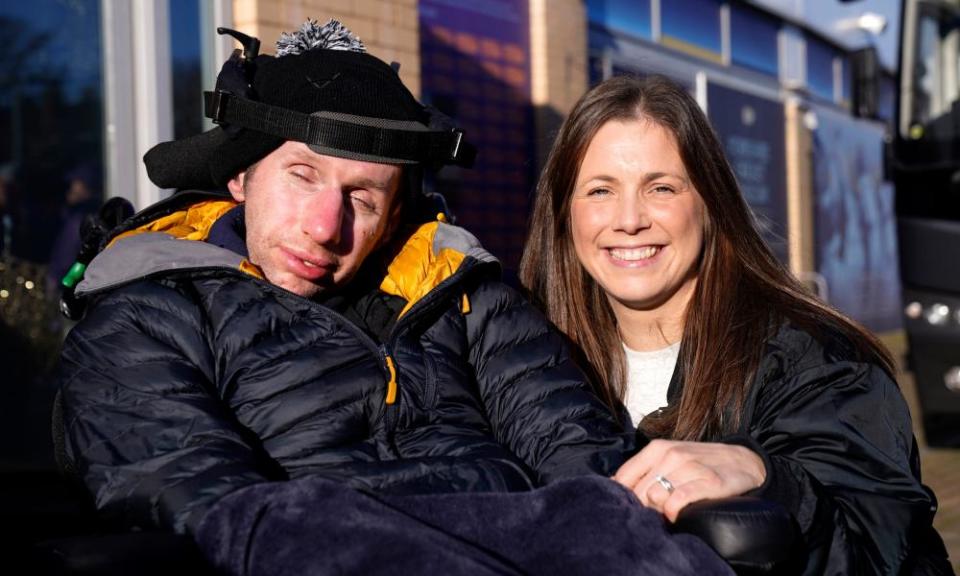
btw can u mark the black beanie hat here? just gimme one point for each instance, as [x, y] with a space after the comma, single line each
[341, 102]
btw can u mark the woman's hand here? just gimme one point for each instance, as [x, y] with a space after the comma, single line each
[667, 475]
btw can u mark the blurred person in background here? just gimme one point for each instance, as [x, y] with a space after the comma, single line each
[81, 199]
[6, 213]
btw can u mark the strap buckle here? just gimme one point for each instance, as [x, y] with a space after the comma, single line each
[461, 152]
[215, 105]
[457, 137]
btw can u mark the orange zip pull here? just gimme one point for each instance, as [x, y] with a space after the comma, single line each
[392, 384]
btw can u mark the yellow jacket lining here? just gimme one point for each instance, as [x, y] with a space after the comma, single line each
[413, 273]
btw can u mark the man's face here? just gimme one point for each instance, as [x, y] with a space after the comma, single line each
[313, 219]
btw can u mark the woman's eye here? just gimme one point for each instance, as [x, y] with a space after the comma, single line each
[663, 189]
[598, 192]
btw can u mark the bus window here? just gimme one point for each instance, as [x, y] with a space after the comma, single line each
[933, 90]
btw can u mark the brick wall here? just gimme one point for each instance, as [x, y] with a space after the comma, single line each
[389, 28]
[558, 50]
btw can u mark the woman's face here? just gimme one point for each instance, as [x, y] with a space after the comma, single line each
[637, 221]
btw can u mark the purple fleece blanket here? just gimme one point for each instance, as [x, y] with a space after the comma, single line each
[314, 526]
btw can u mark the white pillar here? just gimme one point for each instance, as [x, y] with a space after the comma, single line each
[152, 83]
[120, 163]
[138, 96]
[215, 48]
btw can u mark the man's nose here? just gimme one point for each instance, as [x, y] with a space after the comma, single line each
[323, 216]
[631, 216]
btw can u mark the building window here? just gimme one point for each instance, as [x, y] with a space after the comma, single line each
[693, 26]
[596, 69]
[753, 39]
[844, 72]
[629, 16]
[51, 178]
[51, 135]
[888, 97]
[185, 48]
[821, 73]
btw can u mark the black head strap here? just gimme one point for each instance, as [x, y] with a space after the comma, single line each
[373, 139]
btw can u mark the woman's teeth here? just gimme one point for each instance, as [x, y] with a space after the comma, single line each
[634, 254]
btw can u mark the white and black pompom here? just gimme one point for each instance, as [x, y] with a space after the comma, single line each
[331, 36]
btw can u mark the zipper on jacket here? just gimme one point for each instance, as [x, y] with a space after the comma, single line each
[380, 350]
[392, 371]
[391, 408]
[387, 363]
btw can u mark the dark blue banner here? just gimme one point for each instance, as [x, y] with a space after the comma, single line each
[854, 222]
[752, 132]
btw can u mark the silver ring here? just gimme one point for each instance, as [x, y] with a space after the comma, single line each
[667, 485]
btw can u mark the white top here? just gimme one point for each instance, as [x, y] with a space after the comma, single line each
[648, 377]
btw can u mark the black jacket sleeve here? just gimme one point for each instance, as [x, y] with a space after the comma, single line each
[837, 441]
[539, 403]
[143, 425]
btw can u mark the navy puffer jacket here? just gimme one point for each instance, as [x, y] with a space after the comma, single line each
[190, 377]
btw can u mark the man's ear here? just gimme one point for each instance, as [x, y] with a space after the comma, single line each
[235, 186]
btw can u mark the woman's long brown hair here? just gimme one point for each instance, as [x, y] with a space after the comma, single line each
[743, 292]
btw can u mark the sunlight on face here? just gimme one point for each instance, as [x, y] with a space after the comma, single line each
[313, 219]
[636, 219]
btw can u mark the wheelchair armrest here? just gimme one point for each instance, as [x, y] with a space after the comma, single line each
[39, 504]
[142, 553]
[50, 526]
[754, 535]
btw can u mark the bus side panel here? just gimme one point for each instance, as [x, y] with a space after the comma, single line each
[930, 269]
